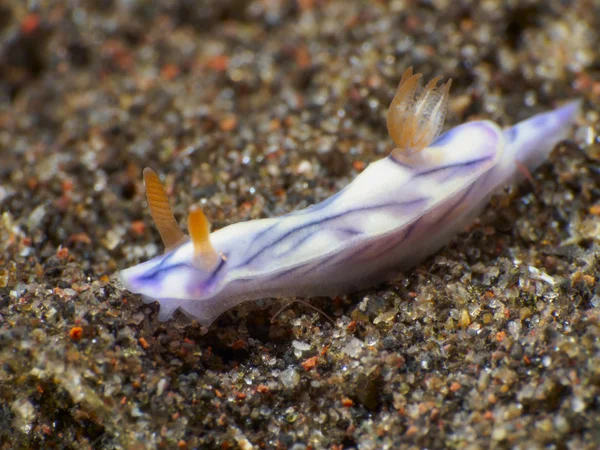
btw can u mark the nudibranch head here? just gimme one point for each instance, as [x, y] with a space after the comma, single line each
[414, 122]
[205, 257]
[183, 270]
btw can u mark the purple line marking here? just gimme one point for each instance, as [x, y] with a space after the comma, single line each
[511, 134]
[453, 207]
[158, 273]
[540, 121]
[324, 220]
[461, 165]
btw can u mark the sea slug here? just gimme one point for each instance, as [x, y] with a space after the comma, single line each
[395, 213]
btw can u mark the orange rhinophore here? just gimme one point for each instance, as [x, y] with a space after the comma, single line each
[161, 212]
[205, 256]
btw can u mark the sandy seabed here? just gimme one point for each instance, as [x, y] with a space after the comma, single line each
[257, 108]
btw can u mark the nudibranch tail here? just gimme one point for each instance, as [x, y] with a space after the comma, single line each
[205, 256]
[413, 123]
[161, 212]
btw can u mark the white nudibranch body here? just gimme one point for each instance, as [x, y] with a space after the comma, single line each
[395, 213]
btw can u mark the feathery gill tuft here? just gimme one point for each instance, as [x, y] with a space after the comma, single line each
[415, 121]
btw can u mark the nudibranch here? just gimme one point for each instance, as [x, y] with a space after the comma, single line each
[399, 210]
